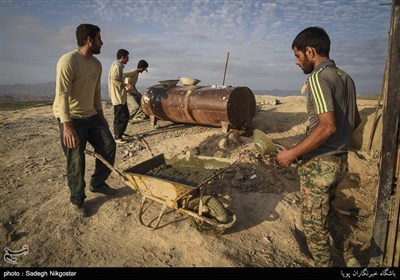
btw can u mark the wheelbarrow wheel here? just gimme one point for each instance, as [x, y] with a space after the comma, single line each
[213, 210]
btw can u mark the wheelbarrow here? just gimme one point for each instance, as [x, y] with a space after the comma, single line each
[179, 182]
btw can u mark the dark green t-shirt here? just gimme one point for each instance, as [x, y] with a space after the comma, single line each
[330, 89]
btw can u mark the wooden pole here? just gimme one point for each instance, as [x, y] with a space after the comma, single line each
[226, 66]
[385, 229]
[382, 93]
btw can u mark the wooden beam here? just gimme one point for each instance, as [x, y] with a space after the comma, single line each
[392, 255]
[383, 92]
[390, 144]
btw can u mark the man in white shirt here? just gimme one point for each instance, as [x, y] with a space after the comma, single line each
[117, 89]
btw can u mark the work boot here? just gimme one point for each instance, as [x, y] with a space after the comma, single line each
[139, 119]
[353, 262]
[104, 189]
[79, 210]
[119, 139]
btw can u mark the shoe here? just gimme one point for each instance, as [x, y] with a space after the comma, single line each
[104, 189]
[120, 140]
[79, 210]
[139, 119]
[353, 262]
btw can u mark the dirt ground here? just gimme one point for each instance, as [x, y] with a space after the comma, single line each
[34, 203]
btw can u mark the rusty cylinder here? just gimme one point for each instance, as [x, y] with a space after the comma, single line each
[226, 107]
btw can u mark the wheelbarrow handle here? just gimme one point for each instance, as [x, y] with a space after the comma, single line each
[99, 157]
[90, 153]
[106, 163]
[218, 172]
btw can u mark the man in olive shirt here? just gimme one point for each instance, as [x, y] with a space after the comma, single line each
[134, 97]
[78, 109]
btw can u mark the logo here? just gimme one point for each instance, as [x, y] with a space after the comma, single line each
[10, 255]
[304, 88]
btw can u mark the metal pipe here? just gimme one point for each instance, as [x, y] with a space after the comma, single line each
[228, 107]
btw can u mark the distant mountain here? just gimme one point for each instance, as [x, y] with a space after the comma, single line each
[38, 91]
[277, 92]
[46, 91]
[284, 93]
[34, 91]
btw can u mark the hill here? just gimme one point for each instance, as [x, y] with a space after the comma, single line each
[31, 92]
[45, 91]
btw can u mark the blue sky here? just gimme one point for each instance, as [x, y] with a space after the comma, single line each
[192, 38]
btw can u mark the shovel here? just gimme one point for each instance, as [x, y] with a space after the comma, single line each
[264, 144]
[266, 147]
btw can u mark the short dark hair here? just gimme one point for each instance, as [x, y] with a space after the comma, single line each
[142, 64]
[314, 37]
[121, 53]
[84, 30]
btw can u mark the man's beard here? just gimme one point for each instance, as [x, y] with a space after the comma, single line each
[307, 67]
[95, 50]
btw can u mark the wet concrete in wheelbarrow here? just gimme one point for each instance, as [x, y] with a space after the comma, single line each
[192, 176]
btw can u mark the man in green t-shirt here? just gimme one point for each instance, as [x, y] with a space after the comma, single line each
[333, 116]
[134, 97]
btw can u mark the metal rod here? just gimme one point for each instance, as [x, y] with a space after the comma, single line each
[141, 212]
[226, 66]
[147, 146]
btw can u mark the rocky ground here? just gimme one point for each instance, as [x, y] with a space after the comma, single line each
[34, 203]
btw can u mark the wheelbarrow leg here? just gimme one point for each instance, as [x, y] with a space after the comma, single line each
[141, 214]
[200, 212]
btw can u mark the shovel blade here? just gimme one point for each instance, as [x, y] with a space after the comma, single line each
[263, 143]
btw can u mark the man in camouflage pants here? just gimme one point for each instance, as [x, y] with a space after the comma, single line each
[333, 116]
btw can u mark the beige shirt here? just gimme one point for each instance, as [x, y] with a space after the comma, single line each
[131, 78]
[115, 80]
[78, 90]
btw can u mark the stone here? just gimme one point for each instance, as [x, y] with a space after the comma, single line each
[223, 144]
[238, 176]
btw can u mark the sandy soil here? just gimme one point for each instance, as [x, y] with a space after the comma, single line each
[34, 203]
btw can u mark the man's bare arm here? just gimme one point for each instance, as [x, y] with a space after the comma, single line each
[320, 134]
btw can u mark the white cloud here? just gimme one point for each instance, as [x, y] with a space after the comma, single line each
[193, 37]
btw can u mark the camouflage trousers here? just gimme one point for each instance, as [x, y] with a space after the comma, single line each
[319, 178]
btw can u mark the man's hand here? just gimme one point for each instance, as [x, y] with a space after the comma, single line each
[128, 87]
[320, 134]
[285, 157]
[71, 139]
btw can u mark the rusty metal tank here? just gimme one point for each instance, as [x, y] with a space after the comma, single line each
[226, 107]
